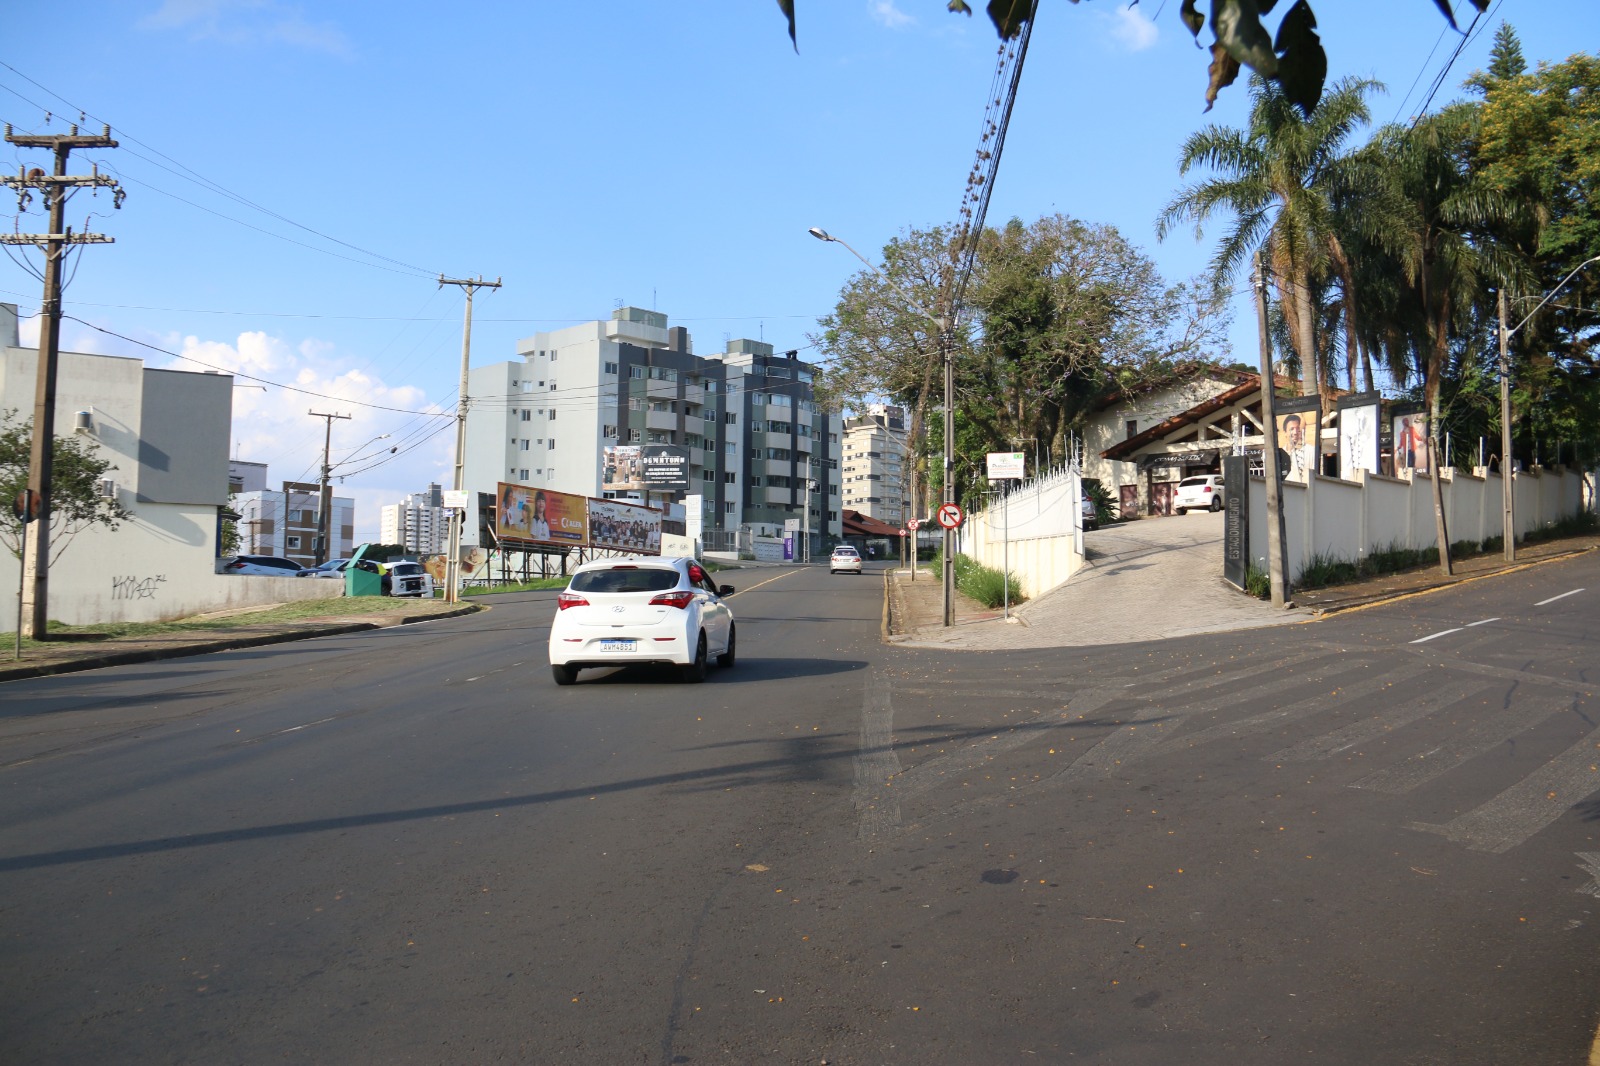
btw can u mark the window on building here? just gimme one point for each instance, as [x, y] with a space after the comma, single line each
[636, 372]
[656, 436]
[552, 355]
[777, 453]
[524, 443]
[525, 414]
[552, 444]
[711, 386]
[522, 475]
[552, 386]
[730, 478]
[728, 508]
[732, 448]
[780, 400]
[663, 373]
[292, 542]
[634, 436]
[636, 403]
[1133, 427]
[552, 414]
[611, 368]
[609, 432]
[708, 475]
[730, 419]
[662, 405]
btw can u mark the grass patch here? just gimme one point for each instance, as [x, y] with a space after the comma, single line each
[299, 611]
[1257, 582]
[982, 583]
[535, 585]
[1575, 525]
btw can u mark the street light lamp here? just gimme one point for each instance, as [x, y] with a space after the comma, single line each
[944, 323]
[1508, 526]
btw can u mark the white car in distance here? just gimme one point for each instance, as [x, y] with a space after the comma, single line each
[1202, 492]
[844, 557]
[641, 610]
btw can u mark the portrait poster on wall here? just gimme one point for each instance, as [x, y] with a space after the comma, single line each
[1358, 440]
[538, 516]
[1411, 442]
[1299, 435]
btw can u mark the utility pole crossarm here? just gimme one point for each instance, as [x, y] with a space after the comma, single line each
[56, 238]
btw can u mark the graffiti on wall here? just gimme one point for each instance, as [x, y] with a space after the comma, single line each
[136, 588]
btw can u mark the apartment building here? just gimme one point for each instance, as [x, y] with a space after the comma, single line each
[747, 418]
[419, 522]
[875, 475]
[284, 523]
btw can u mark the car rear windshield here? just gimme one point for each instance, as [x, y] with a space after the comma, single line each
[1192, 481]
[626, 579]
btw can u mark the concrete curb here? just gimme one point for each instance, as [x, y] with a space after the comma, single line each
[1423, 590]
[254, 640]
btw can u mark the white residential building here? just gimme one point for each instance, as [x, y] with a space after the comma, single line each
[746, 416]
[419, 522]
[283, 522]
[875, 475]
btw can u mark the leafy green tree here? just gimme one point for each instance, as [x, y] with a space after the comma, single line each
[1278, 178]
[878, 345]
[1293, 58]
[1445, 230]
[75, 500]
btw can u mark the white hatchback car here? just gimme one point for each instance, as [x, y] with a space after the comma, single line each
[639, 610]
[844, 557]
[1203, 492]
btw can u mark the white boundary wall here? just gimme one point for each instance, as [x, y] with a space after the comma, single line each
[1037, 530]
[1349, 520]
[158, 565]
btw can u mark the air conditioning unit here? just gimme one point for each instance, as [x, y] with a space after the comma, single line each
[106, 487]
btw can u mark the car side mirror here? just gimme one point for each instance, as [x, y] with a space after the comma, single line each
[725, 590]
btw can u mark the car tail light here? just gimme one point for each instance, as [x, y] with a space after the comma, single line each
[235, 565]
[680, 600]
[1206, 489]
[570, 599]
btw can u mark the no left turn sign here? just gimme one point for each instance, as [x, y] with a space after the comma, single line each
[949, 515]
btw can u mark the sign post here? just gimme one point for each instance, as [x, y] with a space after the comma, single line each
[1005, 466]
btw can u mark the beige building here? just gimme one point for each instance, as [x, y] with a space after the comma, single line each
[874, 474]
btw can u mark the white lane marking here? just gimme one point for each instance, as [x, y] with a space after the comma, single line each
[1563, 596]
[1434, 636]
[1483, 736]
[876, 800]
[1485, 622]
[297, 728]
[1528, 806]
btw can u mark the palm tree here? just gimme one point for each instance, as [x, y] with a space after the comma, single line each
[1444, 230]
[1279, 178]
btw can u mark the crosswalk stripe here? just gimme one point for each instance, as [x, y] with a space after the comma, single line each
[1388, 720]
[1531, 804]
[1483, 736]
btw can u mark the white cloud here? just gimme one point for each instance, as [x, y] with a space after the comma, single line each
[271, 425]
[885, 13]
[1129, 28]
[250, 22]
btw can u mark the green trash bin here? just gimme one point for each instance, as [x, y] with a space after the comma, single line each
[359, 581]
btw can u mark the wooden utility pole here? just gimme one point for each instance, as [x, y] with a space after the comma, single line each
[324, 497]
[452, 562]
[56, 188]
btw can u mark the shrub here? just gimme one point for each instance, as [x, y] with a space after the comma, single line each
[1257, 582]
[1321, 571]
[984, 584]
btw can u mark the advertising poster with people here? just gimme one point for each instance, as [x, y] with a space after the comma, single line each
[540, 516]
[1358, 441]
[1298, 435]
[1411, 442]
[622, 468]
[624, 527]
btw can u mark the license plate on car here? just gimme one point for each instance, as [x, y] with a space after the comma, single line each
[618, 645]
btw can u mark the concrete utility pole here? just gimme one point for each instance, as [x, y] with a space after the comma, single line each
[325, 497]
[1508, 525]
[1277, 562]
[949, 561]
[57, 188]
[452, 581]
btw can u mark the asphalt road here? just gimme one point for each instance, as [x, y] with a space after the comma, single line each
[1366, 840]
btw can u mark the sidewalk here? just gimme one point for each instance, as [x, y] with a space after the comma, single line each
[1145, 583]
[85, 653]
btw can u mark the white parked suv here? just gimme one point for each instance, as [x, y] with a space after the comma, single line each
[1203, 492]
[638, 610]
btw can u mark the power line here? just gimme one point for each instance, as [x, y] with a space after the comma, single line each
[253, 377]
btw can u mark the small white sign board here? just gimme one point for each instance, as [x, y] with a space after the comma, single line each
[453, 499]
[1005, 465]
[791, 525]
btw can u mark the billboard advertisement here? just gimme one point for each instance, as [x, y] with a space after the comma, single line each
[624, 526]
[1297, 436]
[644, 468]
[539, 516]
[1358, 440]
[1411, 442]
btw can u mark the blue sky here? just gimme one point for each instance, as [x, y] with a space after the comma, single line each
[663, 155]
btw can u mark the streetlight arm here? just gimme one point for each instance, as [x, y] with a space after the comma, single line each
[823, 235]
[1548, 296]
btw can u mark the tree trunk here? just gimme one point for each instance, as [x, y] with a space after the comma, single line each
[1305, 335]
